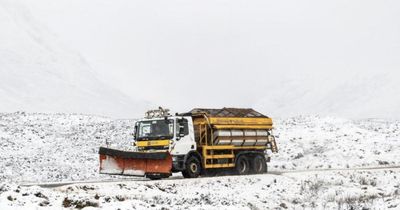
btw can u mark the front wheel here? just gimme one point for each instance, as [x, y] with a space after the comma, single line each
[157, 176]
[192, 168]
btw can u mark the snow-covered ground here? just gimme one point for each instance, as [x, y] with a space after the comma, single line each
[56, 147]
[312, 142]
[63, 147]
[321, 190]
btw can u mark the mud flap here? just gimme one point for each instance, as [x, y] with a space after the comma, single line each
[127, 163]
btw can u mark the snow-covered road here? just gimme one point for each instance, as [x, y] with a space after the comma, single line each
[376, 189]
[177, 176]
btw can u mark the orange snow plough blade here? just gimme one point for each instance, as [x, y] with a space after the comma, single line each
[126, 163]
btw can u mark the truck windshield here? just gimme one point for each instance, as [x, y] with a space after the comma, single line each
[155, 129]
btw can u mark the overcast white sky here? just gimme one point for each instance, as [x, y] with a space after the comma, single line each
[185, 54]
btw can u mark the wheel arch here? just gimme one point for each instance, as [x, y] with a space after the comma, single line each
[195, 154]
[249, 153]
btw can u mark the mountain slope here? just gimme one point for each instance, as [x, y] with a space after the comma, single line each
[262, 55]
[39, 74]
[355, 95]
[285, 59]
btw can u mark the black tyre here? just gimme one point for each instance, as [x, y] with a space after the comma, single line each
[192, 168]
[258, 165]
[242, 165]
[154, 177]
[157, 176]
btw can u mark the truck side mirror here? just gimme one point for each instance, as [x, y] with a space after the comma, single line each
[134, 132]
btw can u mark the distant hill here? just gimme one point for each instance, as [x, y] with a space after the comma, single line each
[357, 95]
[264, 57]
[39, 74]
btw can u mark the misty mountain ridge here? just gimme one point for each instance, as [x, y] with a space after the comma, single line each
[39, 74]
[356, 95]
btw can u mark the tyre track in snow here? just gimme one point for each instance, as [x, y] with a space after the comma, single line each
[142, 179]
[334, 169]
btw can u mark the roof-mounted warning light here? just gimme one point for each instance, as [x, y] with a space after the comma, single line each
[157, 113]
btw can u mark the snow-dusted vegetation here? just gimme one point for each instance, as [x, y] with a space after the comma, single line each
[56, 147]
[312, 142]
[63, 147]
[321, 190]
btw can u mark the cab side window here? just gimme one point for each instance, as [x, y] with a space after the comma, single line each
[183, 122]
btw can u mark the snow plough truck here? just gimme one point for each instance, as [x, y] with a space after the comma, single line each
[196, 143]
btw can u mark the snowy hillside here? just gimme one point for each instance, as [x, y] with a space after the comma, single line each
[40, 74]
[63, 147]
[49, 148]
[59, 147]
[312, 142]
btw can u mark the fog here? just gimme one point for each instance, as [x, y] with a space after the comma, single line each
[185, 54]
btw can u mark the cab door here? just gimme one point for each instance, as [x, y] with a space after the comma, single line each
[184, 136]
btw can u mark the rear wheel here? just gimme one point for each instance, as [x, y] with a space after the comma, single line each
[192, 168]
[242, 165]
[258, 165]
